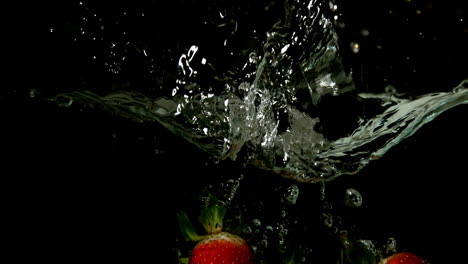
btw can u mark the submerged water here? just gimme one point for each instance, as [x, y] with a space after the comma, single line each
[261, 100]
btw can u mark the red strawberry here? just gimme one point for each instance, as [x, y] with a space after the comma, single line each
[404, 258]
[217, 247]
[222, 248]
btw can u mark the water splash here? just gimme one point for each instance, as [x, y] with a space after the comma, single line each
[266, 111]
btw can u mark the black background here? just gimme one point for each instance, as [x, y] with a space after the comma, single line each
[81, 184]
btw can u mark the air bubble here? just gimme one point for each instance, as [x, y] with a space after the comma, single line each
[281, 244]
[353, 198]
[254, 249]
[33, 93]
[257, 223]
[283, 213]
[365, 32]
[390, 246]
[205, 200]
[354, 47]
[322, 191]
[177, 252]
[327, 220]
[253, 58]
[292, 194]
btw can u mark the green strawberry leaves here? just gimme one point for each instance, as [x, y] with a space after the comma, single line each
[211, 217]
[186, 227]
[212, 214]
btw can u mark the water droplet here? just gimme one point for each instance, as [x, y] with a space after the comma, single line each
[292, 194]
[353, 198]
[269, 229]
[264, 243]
[51, 30]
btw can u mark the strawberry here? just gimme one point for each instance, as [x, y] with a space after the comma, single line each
[222, 248]
[217, 247]
[404, 258]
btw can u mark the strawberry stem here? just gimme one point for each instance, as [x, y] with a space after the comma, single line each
[212, 215]
[186, 227]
